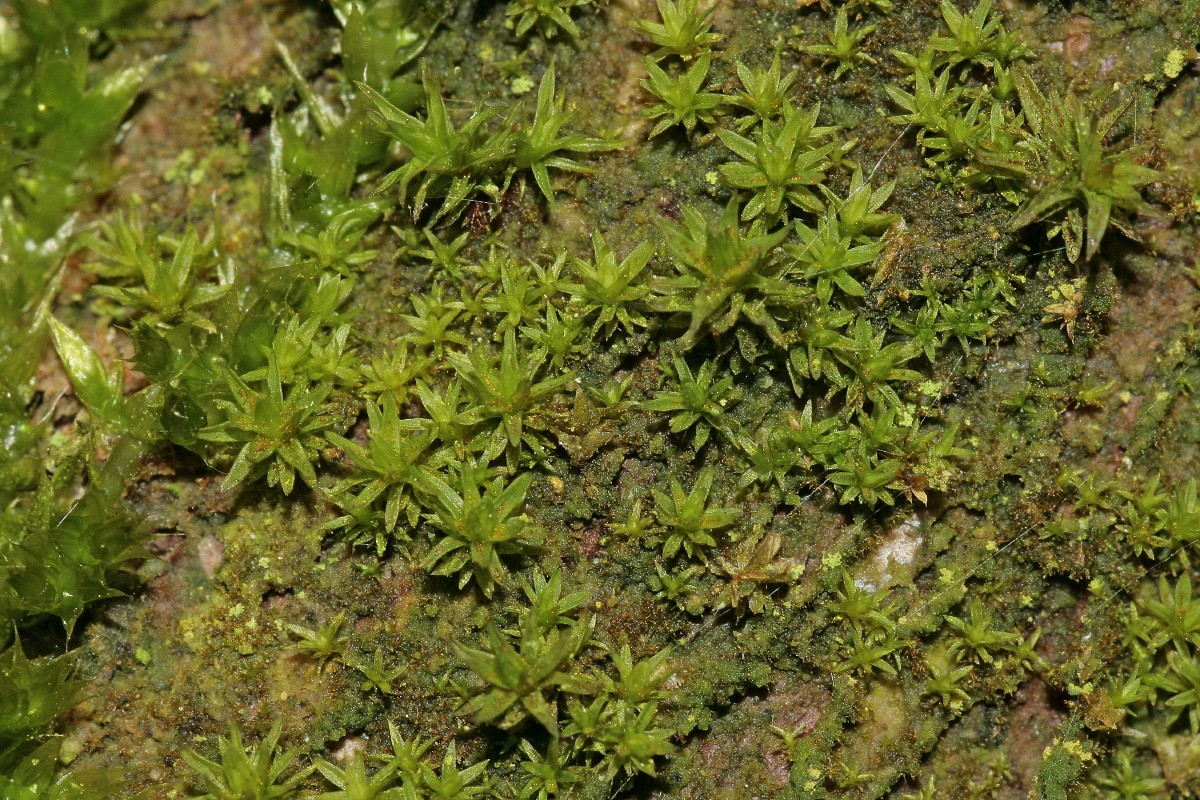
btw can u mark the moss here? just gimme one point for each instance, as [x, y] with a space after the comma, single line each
[777, 448]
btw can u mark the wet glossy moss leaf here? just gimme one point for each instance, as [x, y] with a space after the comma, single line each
[57, 554]
[95, 387]
[33, 692]
[382, 38]
[32, 778]
[96, 115]
[44, 22]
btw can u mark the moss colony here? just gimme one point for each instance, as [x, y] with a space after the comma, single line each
[555, 398]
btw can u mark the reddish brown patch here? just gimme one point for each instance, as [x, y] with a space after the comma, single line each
[360, 433]
[215, 500]
[478, 219]
[797, 709]
[779, 768]
[1115, 459]
[166, 547]
[668, 205]
[156, 466]
[234, 39]
[1077, 38]
[1129, 412]
[1035, 719]
[589, 541]
[275, 601]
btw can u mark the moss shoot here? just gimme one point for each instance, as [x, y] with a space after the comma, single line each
[586, 399]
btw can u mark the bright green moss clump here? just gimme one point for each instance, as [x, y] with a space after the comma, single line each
[595, 404]
[64, 538]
